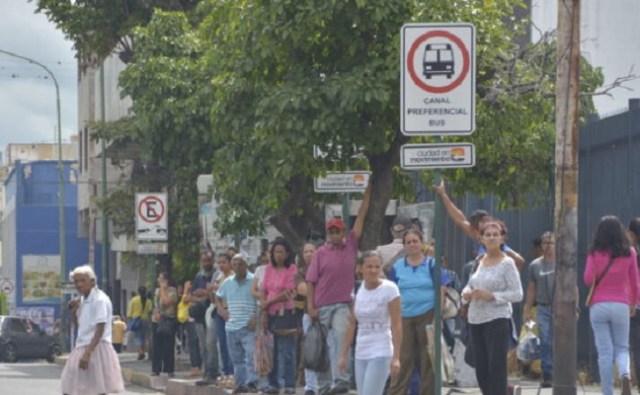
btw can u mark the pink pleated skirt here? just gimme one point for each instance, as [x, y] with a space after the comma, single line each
[102, 377]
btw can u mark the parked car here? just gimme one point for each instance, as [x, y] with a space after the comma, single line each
[21, 338]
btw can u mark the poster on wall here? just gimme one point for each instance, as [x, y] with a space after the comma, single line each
[42, 316]
[41, 279]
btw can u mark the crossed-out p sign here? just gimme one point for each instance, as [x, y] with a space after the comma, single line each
[151, 216]
[437, 79]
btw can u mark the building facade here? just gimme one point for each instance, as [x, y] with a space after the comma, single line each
[30, 231]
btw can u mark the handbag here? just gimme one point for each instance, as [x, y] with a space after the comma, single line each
[166, 325]
[452, 303]
[263, 354]
[283, 323]
[595, 282]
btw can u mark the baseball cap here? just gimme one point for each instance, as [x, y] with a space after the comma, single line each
[401, 223]
[334, 223]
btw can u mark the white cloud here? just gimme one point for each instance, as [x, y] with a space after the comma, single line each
[27, 94]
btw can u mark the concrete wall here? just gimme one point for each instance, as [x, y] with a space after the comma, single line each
[608, 33]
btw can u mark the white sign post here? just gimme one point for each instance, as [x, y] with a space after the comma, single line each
[437, 156]
[437, 88]
[151, 217]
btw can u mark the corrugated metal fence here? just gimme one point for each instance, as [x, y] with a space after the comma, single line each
[609, 184]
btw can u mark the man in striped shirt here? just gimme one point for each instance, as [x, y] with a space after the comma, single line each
[240, 317]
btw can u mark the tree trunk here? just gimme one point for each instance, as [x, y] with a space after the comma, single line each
[382, 179]
[566, 197]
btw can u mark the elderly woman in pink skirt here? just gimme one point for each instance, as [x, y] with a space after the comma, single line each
[93, 366]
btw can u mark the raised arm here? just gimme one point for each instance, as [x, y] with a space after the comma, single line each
[454, 212]
[358, 225]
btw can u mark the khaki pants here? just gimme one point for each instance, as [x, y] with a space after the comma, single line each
[414, 349]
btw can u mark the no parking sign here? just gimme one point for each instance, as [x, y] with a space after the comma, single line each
[151, 217]
[437, 79]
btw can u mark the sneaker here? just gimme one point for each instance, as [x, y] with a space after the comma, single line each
[309, 392]
[241, 390]
[625, 383]
[252, 389]
[205, 381]
[270, 390]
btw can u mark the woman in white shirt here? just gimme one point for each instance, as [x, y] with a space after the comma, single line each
[93, 366]
[493, 286]
[377, 313]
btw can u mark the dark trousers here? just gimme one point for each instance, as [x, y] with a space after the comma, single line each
[195, 358]
[414, 351]
[490, 347]
[634, 344]
[163, 359]
[117, 347]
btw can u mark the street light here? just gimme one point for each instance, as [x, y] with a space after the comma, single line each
[63, 269]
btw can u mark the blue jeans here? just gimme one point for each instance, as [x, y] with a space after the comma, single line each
[227, 365]
[610, 323]
[545, 334]
[241, 343]
[284, 358]
[310, 379]
[336, 318]
[372, 374]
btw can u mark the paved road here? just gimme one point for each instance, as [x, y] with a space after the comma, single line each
[41, 378]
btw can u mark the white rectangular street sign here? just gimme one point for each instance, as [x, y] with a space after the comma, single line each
[437, 156]
[152, 248]
[437, 79]
[350, 181]
[151, 217]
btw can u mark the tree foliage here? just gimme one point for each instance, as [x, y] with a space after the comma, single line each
[99, 27]
[246, 88]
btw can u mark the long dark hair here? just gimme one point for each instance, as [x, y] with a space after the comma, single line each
[610, 237]
[142, 291]
[280, 241]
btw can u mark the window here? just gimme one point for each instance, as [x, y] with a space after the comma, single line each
[17, 325]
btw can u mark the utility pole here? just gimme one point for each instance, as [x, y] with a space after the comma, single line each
[566, 197]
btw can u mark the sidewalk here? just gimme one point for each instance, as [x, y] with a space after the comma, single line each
[139, 373]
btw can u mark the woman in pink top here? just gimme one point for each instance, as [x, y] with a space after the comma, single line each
[278, 292]
[611, 263]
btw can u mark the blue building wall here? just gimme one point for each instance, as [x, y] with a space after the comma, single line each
[35, 188]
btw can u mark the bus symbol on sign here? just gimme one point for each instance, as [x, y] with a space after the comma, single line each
[438, 60]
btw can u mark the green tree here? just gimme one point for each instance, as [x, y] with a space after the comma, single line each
[289, 75]
[99, 27]
[245, 88]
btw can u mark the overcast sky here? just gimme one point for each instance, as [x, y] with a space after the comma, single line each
[27, 97]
